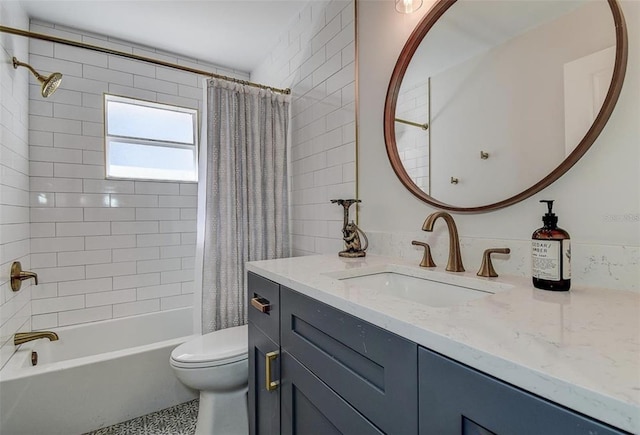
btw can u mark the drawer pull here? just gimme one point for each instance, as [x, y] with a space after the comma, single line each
[261, 304]
[269, 357]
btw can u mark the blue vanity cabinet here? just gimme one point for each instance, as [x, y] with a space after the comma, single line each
[352, 374]
[264, 348]
[337, 374]
[458, 400]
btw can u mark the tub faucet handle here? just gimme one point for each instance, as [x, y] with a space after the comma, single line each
[18, 275]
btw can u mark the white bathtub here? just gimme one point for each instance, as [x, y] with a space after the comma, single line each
[95, 375]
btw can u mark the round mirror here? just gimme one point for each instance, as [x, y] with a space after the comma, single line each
[492, 101]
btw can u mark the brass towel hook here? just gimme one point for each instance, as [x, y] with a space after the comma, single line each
[18, 275]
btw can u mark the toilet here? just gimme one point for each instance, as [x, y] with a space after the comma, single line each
[217, 365]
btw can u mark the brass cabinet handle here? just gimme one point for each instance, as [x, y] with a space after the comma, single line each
[269, 357]
[261, 304]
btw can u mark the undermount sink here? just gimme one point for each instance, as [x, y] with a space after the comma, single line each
[424, 290]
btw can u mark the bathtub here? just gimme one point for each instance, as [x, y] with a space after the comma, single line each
[95, 375]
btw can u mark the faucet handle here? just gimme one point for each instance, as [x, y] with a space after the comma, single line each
[427, 260]
[486, 268]
[18, 275]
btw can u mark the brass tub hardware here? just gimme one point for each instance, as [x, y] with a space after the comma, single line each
[486, 268]
[454, 180]
[18, 275]
[49, 83]
[24, 337]
[427, 260]
[454, 264]
[484, 155]
[34, 358]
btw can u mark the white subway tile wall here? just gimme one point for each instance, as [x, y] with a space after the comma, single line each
[315, 57]
[15, 308]
[102, 248]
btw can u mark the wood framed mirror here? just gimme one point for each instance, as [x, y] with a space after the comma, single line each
[492, 101]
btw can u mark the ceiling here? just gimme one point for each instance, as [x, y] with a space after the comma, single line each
[237, 34]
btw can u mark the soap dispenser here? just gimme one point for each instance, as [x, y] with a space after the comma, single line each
[551, 254]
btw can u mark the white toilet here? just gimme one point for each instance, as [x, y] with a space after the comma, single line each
[217, 365]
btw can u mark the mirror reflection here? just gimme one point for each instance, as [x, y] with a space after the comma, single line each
[499, 93]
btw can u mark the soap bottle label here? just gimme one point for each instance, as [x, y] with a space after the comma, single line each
[566, 259]
[546, 259]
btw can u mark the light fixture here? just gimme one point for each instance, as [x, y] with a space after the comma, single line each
[49, 84]
[408, 6]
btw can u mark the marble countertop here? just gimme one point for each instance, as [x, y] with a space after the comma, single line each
[580, 348]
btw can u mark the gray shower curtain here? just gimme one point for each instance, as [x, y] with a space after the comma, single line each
[247, 195]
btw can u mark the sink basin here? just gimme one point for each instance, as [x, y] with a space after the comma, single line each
[427, 288]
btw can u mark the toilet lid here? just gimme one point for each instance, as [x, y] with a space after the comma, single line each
[215, 348]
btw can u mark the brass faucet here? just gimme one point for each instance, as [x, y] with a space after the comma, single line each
[454, 264]
[24, 337]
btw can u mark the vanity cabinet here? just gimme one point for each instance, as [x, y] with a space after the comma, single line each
[337, 374]
[458, 400]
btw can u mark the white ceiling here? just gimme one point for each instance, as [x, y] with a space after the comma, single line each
[237, 34]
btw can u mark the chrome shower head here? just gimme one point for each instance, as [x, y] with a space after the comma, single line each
[49, 84]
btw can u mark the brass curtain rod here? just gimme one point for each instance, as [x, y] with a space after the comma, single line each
[55, 39]
[424, 126]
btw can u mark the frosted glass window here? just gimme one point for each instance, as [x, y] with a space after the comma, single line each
[131, 160]
[150, 141]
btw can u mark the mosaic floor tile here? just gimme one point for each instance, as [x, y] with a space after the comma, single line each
[177, 420]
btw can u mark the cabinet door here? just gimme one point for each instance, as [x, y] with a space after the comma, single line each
[264, 405]
[373, 370]
[309, 407]
[455, 399]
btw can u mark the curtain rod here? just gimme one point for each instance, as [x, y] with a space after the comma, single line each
[55, 39]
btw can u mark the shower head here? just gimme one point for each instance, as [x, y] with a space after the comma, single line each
[49, 84]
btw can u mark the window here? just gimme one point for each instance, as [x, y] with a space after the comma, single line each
[150, 141]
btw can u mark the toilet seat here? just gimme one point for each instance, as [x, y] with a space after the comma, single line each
[216, 348]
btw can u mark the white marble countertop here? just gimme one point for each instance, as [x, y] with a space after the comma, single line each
[579, 348]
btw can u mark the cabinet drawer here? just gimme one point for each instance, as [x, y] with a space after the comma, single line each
[309, 407]
[456, 399]
[264, 305]
[372, 369]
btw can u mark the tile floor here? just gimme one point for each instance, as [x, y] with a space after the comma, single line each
[177, 420]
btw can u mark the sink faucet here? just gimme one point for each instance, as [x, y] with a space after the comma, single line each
[24, 337]
[454, 264]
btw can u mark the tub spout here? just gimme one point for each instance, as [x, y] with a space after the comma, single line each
[24, 337]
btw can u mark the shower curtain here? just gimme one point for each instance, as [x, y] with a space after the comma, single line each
[246, 209]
